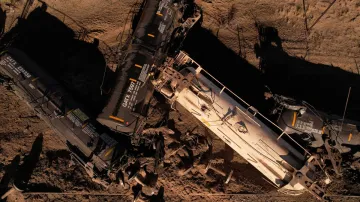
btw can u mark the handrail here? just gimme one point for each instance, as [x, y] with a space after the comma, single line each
[257, 112]
[248, 106]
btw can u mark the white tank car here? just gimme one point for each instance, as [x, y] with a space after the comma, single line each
[277, 156]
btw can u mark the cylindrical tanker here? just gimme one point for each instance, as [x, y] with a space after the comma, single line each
[244, 129]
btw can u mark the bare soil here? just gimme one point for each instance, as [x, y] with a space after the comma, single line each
[229, 27]
[329, 36]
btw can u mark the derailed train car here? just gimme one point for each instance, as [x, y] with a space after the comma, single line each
[161, 27]
[313, 126]
[131, 93]
[90, 145]
[278, 153]
[330, 134]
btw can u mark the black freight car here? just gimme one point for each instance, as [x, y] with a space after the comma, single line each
[59, 110]
[160, 23]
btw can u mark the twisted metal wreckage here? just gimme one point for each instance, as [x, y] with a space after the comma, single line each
[301, 152]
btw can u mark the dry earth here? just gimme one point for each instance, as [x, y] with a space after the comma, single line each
[329, 36]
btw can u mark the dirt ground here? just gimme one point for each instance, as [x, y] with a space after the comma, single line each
[330, 41]
[329, 36]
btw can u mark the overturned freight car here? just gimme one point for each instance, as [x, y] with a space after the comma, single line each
[162, 27]
[90, 145]
[302, 153]
[130, 95]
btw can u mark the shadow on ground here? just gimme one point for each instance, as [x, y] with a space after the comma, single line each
[10, 172]
[323, 86]
[233, 71]
[78, 65]
[2, 21]
[26, 169]
[19, 175]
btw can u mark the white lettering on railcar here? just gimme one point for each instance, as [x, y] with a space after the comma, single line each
[163, 4]
[143, 74]
[131, 94]
[168, 14]
[161, 27]
[307, 127]
[9, 62]
[126, 100]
